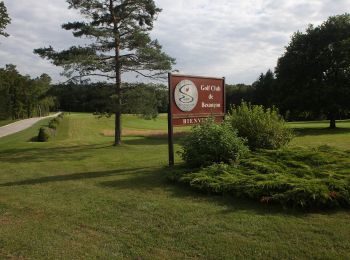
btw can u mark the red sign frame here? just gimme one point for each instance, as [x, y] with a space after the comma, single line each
[210, 99]
[192, 99]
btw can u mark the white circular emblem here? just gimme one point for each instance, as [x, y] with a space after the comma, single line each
[186, 95]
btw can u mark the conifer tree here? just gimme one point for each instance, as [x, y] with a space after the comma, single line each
[4, 19]
[120, 43]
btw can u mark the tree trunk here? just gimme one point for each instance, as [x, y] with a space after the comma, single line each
[118, 125]
[118, 114]
[39, 108]
[332, 124]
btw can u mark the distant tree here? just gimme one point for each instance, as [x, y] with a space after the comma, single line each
[4, 19]
[314, 73]
[264, 93]
[21, 96]
[12, 85]
[147, 100]
[143, 99]
[235, 94]
[162, 98]
[38, 99]
[119, 30]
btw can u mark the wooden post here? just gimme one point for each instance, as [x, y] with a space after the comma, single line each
[170, 124]
[224, 90]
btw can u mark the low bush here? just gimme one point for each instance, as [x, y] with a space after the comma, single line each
[210, 143]
[53, 124]
[295, 177]
[263, 128]
[44, 134]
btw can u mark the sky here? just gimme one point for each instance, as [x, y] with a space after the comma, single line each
[237, 39]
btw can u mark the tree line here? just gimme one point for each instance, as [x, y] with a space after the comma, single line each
[147, 100]
[312, 78]
[22, 96]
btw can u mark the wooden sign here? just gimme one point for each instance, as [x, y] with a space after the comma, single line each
[192, 99]
[195, 98]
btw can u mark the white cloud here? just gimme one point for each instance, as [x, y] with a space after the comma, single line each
[235, 39]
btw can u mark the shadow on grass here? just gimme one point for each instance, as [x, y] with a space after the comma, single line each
[321, 131]
[70, 177]
[150, 180]
[151, 140]
[41, 154]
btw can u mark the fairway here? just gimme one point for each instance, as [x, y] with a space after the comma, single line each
[77, 196]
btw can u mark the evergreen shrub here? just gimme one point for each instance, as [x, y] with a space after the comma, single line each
[293, 177]
[209, 143]
[44, 134]
[53, 124]
[263, 128]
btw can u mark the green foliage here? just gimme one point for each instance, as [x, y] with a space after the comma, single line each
[263, 128]
[295, 177]
[235, 94]
[120, 42]
[209, 142]
[4, 19]
[313, 74]
[53, 124]
[44, 134]
[146, 100]
[23, 97]
[51, 129]
[60, 116]
[140, 99]
[264, 93]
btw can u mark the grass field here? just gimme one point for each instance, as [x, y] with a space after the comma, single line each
[317, 133]
[6, 122]
[77, 196]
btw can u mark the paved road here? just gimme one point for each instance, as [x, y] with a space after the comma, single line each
[21, 125]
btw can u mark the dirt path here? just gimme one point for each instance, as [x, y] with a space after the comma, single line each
[21, 125]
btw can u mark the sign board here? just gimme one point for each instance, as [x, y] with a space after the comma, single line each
[195, 98]
[192, 99]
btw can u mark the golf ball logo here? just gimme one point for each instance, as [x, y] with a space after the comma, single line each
[186, 95]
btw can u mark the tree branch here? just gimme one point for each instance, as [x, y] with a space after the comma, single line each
[89, 75]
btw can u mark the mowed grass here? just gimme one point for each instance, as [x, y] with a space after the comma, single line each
[313, 134]
[6, 122]
[77, 196]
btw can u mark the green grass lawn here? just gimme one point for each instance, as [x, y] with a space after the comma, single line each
[317, 134]
[77, 196]
[6, 122]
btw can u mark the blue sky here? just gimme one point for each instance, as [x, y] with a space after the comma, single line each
[236, 39]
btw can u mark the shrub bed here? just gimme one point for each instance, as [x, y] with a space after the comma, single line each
[298, 177]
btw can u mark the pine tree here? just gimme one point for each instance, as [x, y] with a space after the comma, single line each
[4, 19]
[120, 43]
